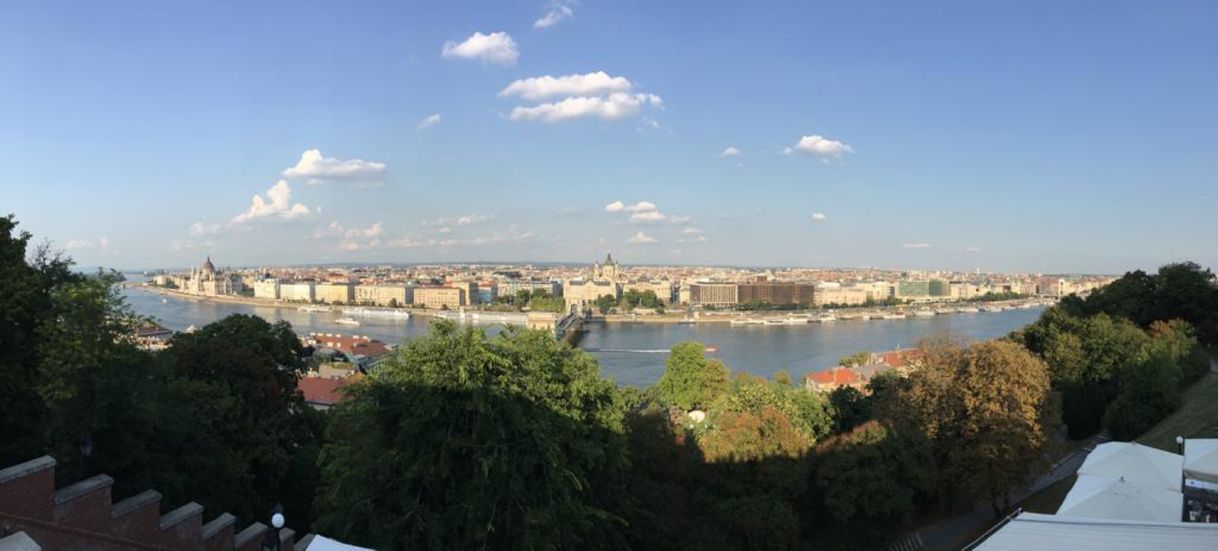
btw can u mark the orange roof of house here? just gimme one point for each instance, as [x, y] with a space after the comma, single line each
[321, 390]
[835, 376]
[899, 358]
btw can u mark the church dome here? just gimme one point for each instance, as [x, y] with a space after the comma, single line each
[208, 268]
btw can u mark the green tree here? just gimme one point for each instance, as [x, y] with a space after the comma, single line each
[858, 358]
[986, 409]
[690, 380]
[850, 408]
[255, 365]
[868, 481]
[808, 411]
[464, 441]
[24, 305]
[605, 303]
[1004, 430]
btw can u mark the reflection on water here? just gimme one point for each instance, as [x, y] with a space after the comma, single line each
[634, 353]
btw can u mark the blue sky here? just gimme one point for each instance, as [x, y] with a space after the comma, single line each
[1030, 136]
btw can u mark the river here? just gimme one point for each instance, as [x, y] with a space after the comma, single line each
[633, 353]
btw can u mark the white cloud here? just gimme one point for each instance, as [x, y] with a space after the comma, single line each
[463, 220]
[647, 217]
[641, 238]
[615, 206]
[497, 48]
[77, 244]
[199, 229]
[649, 123]
[316, 168]
[510, 235]
[611, 107]
[558, 12]
[641, 206]
[429, 121]
[819, 146]
[187, 244]
[375, 230]
[678, 219]
[691, 231]
[916, 245]
[819, 217]
[972, 250]
[356, 239]
[730, 151]
[277, 206]
[693, 239]
[589, 84]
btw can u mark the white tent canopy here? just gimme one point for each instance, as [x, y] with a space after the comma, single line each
[322, 543]
[1121, 499]
[1201, 459]
[1050, 533]
[1142, 465]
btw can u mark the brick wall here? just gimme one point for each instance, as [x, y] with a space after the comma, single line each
[82, 516]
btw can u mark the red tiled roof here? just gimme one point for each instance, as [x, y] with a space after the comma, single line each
[899, 358]
[320, 390]
[354, 345]
[835, 376]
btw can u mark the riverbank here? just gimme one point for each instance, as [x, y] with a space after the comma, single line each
[250, 301]
[809, 316]
[702, 317]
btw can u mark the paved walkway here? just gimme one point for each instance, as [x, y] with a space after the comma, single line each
[948, 535]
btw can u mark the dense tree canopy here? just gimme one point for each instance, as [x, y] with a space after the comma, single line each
[690, 380]
[465, 441]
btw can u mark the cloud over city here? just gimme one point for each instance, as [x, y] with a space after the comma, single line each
[428, 121]
[590, 84]
[641, 238]
[645, 212]
[589, 95]
[558, 11]
[315, 168]
[916, 245]
[277, 205]
[497, 48]
[819, 146]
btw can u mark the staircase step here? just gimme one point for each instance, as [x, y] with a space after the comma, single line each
[218, 534]
[182, 526]
[250, 539]
[27, 488]
[138, 517]
[85, 504]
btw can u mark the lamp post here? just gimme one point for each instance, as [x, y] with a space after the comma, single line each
[271, 540]
[1180, 444]
[86, 450]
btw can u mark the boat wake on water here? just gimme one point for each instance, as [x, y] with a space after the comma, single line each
[630, 350]
[710, 349]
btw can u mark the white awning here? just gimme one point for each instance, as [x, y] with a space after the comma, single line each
[1201, 459]
[1145, 466]
[1053, 533]
[1120, 499]
[322, 543]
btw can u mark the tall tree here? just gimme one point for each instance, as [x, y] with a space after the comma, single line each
[690, 380]
[464, 441]
[254, 366]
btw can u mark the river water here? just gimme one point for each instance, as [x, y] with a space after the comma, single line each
[633, 353]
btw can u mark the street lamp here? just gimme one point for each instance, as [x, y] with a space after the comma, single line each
[86, 450]
[271, 540]
[1180, 444]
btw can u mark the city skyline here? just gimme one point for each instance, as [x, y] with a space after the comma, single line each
[1030, 138]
